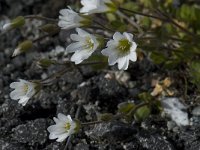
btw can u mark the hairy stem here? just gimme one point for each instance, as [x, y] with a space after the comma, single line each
[91, 123]
[38, 17]
[133, 23]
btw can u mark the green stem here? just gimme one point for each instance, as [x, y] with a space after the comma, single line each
[38, 17]
[136, 108]
[133, 23]
[102, 26]
[169, 19]
[91, 123]
[142, 14]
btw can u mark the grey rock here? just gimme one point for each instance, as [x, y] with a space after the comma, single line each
[110, 87]
[10, 109]
[113, 131]
[191, 138]
[31, 133]
[54, 146]
[82, 146]
[196, 111]
[6, 145]
[153, 141]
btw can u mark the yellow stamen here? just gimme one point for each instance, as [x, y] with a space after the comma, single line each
[67, 126]
[124, 46]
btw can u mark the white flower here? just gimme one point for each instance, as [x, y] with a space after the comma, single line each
[85, 44]
[24, 90]
[97, 6]
[120, 50]
[63, 128]
[69, 19]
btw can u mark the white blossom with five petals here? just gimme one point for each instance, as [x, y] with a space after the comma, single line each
[85, 44]
[24, 90]
[69, 19]
[120, 50]
[97, 6]
[63, 128]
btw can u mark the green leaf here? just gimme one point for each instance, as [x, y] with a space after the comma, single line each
[99, 59]
[125, 107]
[142, 113]
[106, 117]
[149, 3]
[146, 22]
[145, 96]
[171, 64]
[195, 72]
[118, 25]
[158, 57]
[131, 6]
[111, 17]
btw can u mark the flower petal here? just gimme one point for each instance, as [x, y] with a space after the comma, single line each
[81, 55]
[64, 118]
[81, 32]
[74, 47]
[75, 37]
[129, 36]
[121, 63]
[56, 129]
[16, 94]
[117, 36]
[62, 137]
[133, 56]
[53, 136]
[16, 85]
[23, 100]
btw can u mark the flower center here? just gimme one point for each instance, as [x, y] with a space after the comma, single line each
[67, 126]
[124, 46]
[89, 43]
[25, 88]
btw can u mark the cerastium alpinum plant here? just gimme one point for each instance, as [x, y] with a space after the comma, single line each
[127, 34]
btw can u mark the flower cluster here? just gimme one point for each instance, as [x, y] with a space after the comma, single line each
[120, 49]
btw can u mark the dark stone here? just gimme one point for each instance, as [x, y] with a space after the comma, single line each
[31, 133]
[6, 145]
[191, 138]
[114, 131]
[153, 141]
[110, 88]
[82, 146]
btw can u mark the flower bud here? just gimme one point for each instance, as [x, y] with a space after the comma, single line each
[78, 126]
[45, 63]
[86, 21]
[101, 41]
[23, 47]
[106, 117]
[15, 23]
[50, 28]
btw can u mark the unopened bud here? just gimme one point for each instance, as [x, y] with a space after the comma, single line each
[23, 47]
[50, 28]
[101, 41]
[87, 21]
[45, 63]
[78, 126]
[15, 23]
[106, 117]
